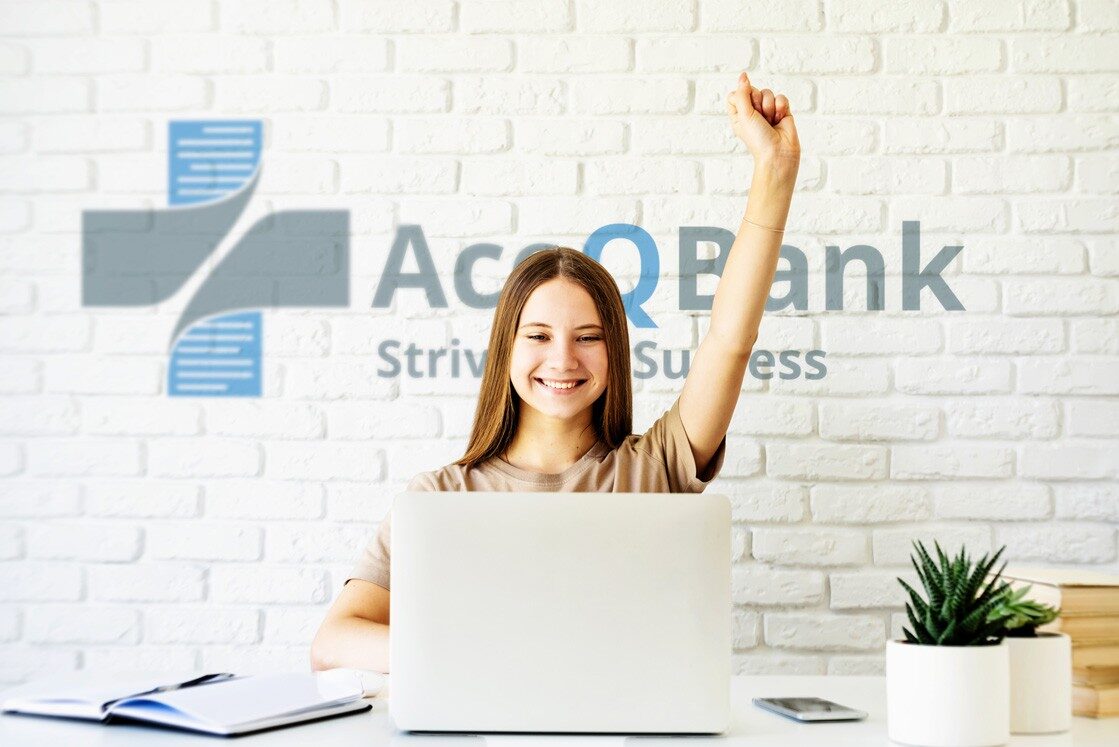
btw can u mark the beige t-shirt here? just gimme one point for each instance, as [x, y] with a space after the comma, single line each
[660, 461]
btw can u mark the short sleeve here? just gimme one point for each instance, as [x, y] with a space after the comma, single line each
[374, 562]
[667, 441]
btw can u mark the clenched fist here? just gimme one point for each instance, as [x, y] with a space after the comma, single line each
[763, 121]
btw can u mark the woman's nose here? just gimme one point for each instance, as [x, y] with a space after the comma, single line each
[562, 355]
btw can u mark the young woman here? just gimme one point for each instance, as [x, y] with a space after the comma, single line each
[555, 410]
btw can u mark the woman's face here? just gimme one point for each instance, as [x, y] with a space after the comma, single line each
[559, 342]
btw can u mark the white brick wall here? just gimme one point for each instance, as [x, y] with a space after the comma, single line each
[202, 533]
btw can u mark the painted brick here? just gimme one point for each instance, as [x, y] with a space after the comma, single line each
[764, 15]
[869, 175]
[85, 541]
[944, 55]
[198, 541]
[614, 95]
[1059, 543]
[1092, 418]
[1075, 132]
[825, 461]
[1064, 376]
[867, 589]
[724, 53]
[630, 16]
[838, 632]
[843, 421]
[816, 546]
[992, 15]
[140, 93]
[767, 502]
[425, 16]
[1096, 336]
[747, 629]
[203, 457]
[207, 624]
[1002, 418]
[754, 663]
[137, 17]
[994, 502]
[32, 581]
[575, 54]
[453, 135]
[988, 175]
[939, 135]
[1024, 256]
[274, 419]
[326, 543]
[870, 504]
[772, 416]
[895, 546]
[147, 582]
[263, 499]
[82, 458]
[1089, 502]
[519, 177]
[1068, 460]
[813, 54]
[928, 462]
[47, 18]
[880, 96]
[453, 54]
[261, 584]
[1064, 54]
[81, 624]
[761, 585]
[272, 17]
[146, 499]
[135, 416]
[477, 16]
[203, 54]
[952, 376]
[141, 658]
[1061, 296]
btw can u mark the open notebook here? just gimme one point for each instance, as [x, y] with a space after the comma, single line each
[215, 704]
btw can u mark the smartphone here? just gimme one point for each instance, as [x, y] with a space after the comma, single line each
[810, 709]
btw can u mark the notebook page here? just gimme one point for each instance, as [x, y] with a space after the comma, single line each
[225, 706]
[84, 694]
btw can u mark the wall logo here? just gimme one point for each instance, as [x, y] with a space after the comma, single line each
[290, 258]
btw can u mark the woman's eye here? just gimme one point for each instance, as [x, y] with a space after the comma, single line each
[589, 338]
[536, 337]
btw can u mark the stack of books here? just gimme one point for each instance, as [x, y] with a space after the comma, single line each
[1089, 603]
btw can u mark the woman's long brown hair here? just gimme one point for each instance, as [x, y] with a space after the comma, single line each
[495, 419]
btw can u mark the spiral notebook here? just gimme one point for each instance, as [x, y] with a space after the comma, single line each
[219, 704]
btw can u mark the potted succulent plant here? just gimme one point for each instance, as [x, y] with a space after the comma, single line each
[948, 683]
[1040, 667]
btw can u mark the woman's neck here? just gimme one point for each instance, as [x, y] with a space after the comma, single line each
[549, 445]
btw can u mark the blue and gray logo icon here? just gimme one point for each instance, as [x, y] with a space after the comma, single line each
[290, 258]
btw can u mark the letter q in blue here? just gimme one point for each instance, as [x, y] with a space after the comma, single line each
[650, 266]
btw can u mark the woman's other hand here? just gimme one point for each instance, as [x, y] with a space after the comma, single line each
[763, 121]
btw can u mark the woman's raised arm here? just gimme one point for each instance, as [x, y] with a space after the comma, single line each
[762, 121]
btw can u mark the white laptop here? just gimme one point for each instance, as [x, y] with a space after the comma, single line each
[560, 612]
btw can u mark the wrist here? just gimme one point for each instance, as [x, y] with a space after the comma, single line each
[776, 171]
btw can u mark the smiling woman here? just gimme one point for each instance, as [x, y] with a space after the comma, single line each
[555, 411]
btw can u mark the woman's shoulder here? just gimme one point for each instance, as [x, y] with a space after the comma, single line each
[449, 478]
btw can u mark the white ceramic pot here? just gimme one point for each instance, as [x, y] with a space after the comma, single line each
[947, 696]
[1040, 684]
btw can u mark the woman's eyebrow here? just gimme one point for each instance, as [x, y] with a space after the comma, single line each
[548, 326]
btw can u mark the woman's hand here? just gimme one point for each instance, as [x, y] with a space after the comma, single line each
[763, 121]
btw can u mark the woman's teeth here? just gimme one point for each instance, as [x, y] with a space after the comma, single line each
[559, 384]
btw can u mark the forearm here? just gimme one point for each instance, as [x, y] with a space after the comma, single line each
[739, 303]
[353, 643]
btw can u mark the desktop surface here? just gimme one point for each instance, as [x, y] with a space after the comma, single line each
[750, 726]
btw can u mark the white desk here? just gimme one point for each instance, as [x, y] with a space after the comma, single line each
[750, 727]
